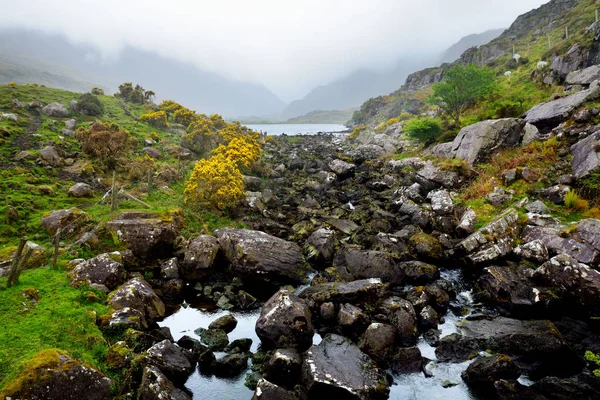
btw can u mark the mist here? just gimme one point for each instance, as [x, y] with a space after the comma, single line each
[288, 46]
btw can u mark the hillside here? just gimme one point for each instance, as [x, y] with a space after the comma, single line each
[25, 54]
[475, 40]
[324, 117]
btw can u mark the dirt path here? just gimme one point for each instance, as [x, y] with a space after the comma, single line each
[26, 140]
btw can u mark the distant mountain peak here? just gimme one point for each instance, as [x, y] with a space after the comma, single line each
[473, 40]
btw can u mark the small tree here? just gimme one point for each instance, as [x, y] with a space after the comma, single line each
[425, 130]
[89, 104]
[215, 183]
[462, 87]
[97, 91]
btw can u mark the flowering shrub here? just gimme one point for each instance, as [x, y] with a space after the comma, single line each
[242, 150]
[157, 119]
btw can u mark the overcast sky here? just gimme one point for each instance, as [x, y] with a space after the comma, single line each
[290, 46]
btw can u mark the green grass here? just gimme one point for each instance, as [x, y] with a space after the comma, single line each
[62, 318]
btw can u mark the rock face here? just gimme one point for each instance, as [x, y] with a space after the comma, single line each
[362, 264]
[137, 294]
[586, 156]
[147, 235]
[81, 190]
[156, 386]
[200, 257]
[494, 240]
[475, 143]
[285, 322]
[550, 114]
[257, 255]
[337, 366]
[102, 269]
[61, 378]
[56, 110]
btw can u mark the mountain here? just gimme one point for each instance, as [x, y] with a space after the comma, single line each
[324, 117]
[353, 89]
[475, 40]
[31, 56]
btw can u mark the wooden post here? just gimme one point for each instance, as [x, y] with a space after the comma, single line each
[149, 182]
[113, 193]
[179, 167]
[56, 244]
[18, 264]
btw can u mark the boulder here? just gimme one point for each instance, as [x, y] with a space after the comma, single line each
[285, 322]
[418, 272]
[171, 359]
[363, 264]
[199, 258]
[586, 156]
[50, 156]
[320, 246]
[230, 365]
[493, 241]
[378, 341]
[352, 320]
[52, 375]
[284, 368]
[338, 366]
[561, 388]
[574, 59]
[407, 360]
[156, 386]
[151, 152]
[555, 240]
[441, 202]
[266, 390]
[227, 323]
[556, 193]
[257, 255]
[402, 316]
[534, 251]
[79, 190]
[342, 169]
[147, 235]
[125, 318]
[552, 113]
[531, 134]
[239, 346]
[102, 269]
[169, 269]
[56, 110]
[475, 143]
[137, 294]
[482, 374]
[583, 76]
[467, 222]
[69, 221]
[432, 177]
[356, 292]
[214, 339]
[71, 124]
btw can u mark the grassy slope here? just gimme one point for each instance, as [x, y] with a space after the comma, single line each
[63, 317]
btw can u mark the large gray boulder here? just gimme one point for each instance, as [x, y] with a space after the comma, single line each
[171, 359]
[258, 255]
[586, 156]
[357, 292]
[156, 386]
[199, 258]
[147, 235]
[285, 322]
[104, 269]
[552, 113]
[336, 365]
[475, 143]
[583, 76]
[364, 264]
[575, 59]
[342, 169]
[320, 246]
[493, 241]
[55, 110]
[81, 189]
[137, 294]
[70, 221]
[50, 156]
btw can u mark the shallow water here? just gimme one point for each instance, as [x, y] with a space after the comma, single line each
[297, 129]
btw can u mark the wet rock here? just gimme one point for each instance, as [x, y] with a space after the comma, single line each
[362, 264]
[60, 378]
[426, 246]
[320, 247]
[56, 110]
[509, 287]
[102, 269]
[266, 390]
[342, 169]
[428, 318]
[239, 346]
[356, 292]
[199, 258]
[230, 365]
[80, 190]
[402, 316]
[69, 221]
[257, 255]
[586, 156]
[378, 341]
[138, 295]
[192, 345]
[494, 240]
[126, 318]
[214, 339]
[418, 272]
[336, 365]
[475, 143]
[284, 368]
[559, 388]
[352, 320]
[534, 251]
[554, 112]
[50, 156]
[482, 373]
[169, 269]
[343, 225]
[171, 360]
[147, 235]
[406, 360]
[226, 323]
[285, 321]
[156, 386]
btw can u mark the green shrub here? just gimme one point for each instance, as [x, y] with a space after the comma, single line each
[425, 130]
[89, 104]
[593, 358]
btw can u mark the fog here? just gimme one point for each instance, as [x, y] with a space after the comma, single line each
[288, 46]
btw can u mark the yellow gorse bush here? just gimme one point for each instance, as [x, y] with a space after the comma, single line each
[215, 183]
[157, 119]
[242, 150]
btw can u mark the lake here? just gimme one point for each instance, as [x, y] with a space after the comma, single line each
[297, 129]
